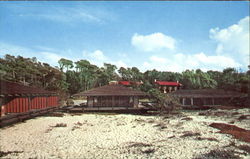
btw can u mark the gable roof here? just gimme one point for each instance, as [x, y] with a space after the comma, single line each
[167, 83]
[16, 89]
[112, 90]
[206, 93]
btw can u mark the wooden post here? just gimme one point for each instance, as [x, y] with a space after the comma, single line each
[29, 103]
[2, 107]
[192, 101]
[46, 101]
[134, 104]
[101, 101]
[16, 104]
[87, 101]
[119, 102]
[213, 100]
[113, 102]
[183, 101]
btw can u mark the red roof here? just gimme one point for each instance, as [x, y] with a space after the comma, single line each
[125, 83]
[166, 83]
[129, 83]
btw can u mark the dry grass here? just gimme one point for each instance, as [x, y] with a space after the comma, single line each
[2, 153]
[161, 125]
[219, 154]
[56, 126]
[54, 114]
[60, 125]
[244, 148]
[207, 138]
[189, 134]
[140, 147]
[244, 117]
[187, 118]
[139, 144]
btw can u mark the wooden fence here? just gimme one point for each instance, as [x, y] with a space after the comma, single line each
[25, 104]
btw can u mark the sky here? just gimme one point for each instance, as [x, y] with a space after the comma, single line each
[166, 36]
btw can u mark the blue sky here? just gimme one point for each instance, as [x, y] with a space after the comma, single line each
[167, 36]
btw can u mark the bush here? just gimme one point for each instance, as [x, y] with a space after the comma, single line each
[166, 103]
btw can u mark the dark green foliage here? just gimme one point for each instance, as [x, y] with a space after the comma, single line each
[31, 72]
[166, 103]
[73, 77]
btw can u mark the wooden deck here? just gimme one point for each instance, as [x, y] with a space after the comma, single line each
[106, 109]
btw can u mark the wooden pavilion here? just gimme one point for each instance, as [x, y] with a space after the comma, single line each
[112, 96]
[209, 97]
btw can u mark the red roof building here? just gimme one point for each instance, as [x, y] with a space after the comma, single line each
[166, 83]
[129, 83]
[125, 83]
[167, 86]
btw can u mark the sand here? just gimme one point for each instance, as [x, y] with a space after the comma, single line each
[120, 136]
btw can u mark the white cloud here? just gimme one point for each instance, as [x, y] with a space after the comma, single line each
[180, 62]
[218, 60]
[98, 58]
[42, 56]
[233, 41]
[153, 42]
[51, 58]
[119, 64]
[98, 55]
[232, 51]
[157, 59]
[68, 15]
[6, 48]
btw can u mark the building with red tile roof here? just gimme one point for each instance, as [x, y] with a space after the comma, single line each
[167, 86]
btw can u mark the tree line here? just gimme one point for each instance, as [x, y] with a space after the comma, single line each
[73, 77]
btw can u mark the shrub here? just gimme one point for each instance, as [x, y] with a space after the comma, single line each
[166, 103]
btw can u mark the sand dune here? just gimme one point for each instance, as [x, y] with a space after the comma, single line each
[118, 136]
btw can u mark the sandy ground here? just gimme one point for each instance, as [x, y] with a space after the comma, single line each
[120, 136]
